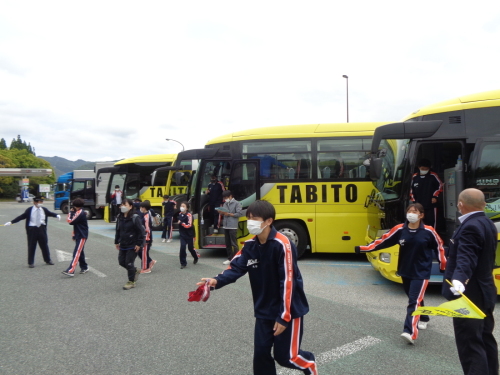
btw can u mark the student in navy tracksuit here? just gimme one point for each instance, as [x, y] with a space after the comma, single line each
[147, 262]
[417, 243]
[36, 229]
[470, 269]
[278, 293]
[425, 189]
[169, 206]
[78, 219]
[186, 232]
[214, 192]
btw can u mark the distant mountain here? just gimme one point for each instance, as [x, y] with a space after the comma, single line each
[62, 165]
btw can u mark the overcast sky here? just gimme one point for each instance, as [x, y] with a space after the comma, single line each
[101, 80]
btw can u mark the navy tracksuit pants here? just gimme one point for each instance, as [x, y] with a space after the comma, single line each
[186, 240]
[167, 227]
[78, 256]
[287, 350]
[415, 290]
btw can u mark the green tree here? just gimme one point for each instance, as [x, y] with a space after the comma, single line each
[3, 144]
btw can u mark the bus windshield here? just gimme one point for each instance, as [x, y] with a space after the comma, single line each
[393, 154]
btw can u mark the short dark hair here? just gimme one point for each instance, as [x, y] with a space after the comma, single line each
[146, 205]
[78, 202]
[417, 206]
[117, 186]
[137, 200]
[424, 163]
[166, 196]
[226, 193]
[262, 209]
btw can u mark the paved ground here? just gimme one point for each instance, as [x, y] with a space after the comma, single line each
[51, 324]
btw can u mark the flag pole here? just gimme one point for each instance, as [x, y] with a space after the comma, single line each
[477, 309]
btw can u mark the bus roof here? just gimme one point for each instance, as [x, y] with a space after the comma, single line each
[158, 158]
[480, 100]
[301, 131]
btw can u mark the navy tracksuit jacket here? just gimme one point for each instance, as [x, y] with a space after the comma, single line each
[80, 234]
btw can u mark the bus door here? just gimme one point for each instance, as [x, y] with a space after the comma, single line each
[111, 211]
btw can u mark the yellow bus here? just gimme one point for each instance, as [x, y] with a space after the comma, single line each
[461, 137]
[315, 176]
[134, 177]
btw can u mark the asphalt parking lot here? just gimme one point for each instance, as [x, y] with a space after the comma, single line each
[88, 324]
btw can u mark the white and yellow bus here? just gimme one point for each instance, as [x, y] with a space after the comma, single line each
[134, 176]
[316, 176]
[461, 137]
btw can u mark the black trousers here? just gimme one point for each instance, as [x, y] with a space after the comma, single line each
[477, 347]
[38, 235]
[430, 215]
[126, 259]
[186, 240]
[231, 243]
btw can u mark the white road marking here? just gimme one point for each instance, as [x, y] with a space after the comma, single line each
[337, 353]
[63, 256]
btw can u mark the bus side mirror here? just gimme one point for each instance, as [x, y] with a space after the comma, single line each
[375, 169]
[178, 176]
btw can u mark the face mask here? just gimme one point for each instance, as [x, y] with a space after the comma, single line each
[124, 209]
[183, 209]
[424, 172]
[254, 228]
[39, 205]
[227, 200]
[412, 218]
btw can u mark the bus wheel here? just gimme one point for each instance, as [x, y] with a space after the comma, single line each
[88, 212]
[64, 208]
[296, 233]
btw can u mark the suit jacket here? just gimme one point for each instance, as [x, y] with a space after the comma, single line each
[471, 260]
[27, 216]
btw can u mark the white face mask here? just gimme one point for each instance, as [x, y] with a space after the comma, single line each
[183, 209]
[124, 209]
[227, 200]
[254, 228]
[412, 218]
[38, 205]
[424, 172]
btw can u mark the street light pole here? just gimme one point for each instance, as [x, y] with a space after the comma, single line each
[347, 94]
[168, 139]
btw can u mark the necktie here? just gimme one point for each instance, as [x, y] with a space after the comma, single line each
[38, 217]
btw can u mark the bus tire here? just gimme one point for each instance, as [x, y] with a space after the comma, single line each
[296, 233]
[88, 212]
[64, 208]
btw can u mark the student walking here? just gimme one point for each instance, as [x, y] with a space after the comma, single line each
[231, 212]
[417, 243]
[278, 293]
[147, 262]
[169, 207]
[36, 230]
[214, 192]
[129, 239]
[186, 233]
[78, 219]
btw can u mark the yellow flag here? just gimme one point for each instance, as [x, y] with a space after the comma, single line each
[458, 308]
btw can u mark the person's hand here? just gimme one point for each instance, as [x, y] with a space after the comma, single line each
[117, 246]
[137, 248]
[211, 282]
[434, 200]
[278, 328]
[58, 217]
[457, 287]
[7, 224]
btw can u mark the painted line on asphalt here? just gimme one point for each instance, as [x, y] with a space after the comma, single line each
[334, 264]
[63, 256]
[338, 353]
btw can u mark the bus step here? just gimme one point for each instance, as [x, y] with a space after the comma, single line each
[215, 240]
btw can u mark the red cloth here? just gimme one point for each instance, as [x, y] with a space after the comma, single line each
[200, 294]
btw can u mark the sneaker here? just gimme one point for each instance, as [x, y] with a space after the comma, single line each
[163, 240]
[226, 262]
[182, 267]
[84, 271]
[216, 231]
[151, 264]
[147, 270]
[407, 338]
[137, 273]
[129, 285]
[422, 325]
[68, 273]
[169, 240]
[195, 261]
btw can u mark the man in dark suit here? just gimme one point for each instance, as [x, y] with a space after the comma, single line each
[36, 228]
[470, 265]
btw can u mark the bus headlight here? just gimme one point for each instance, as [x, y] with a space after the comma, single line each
[385, 257]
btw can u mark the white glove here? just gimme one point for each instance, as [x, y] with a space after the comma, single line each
[7, 224]
[457, 287]
[58, 217]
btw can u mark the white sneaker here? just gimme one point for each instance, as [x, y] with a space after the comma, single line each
[216, 231]
[226, 262]
[169, 240]
[163, 240]
[422, 325]
[407, 337]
